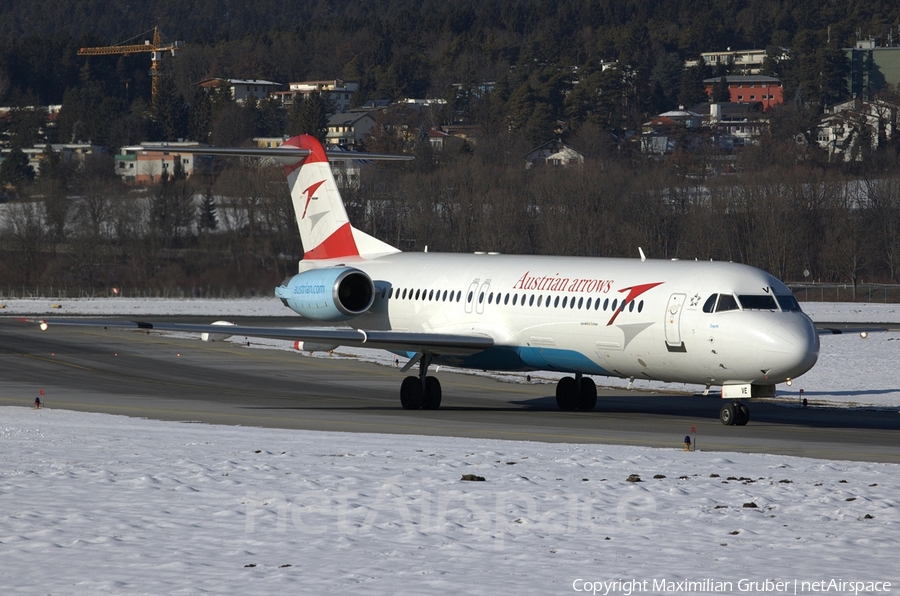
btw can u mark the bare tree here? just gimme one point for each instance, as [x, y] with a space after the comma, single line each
[25, 236]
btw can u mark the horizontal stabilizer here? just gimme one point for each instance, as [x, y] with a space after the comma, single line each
[285, 154]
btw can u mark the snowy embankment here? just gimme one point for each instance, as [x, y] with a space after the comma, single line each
[851, 371]
[98, 504]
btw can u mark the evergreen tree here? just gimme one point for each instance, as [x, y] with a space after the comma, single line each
[692, 90]
[200, 116]
[310, 116]
[168, 110]
[208, 217]
[15, 169]
[720, 91]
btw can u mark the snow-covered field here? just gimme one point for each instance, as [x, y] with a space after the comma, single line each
[99, 504]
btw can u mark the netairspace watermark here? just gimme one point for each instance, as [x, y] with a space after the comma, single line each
[317, 512]
[628, 587]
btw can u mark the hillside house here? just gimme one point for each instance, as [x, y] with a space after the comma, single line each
[350, 129]
[855, 127]
[242, 89]
[749, 88]
[553, 153]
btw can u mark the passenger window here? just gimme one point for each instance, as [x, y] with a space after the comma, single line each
[754, 302]
[417, 294]
[506, 300]
[615, 302]
[565, 298]
[631, 306]
[480, 298]
[587, 305]
[469, 299]
[531, 300]
[515, 299]
[404, 294]
[605, 303]
[581, 301]
[710, 304]
[555, 302]
[727, 302]
[431, 295]
[640, 306]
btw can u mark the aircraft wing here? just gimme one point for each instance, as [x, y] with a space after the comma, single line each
[444, 343]
[825, 328]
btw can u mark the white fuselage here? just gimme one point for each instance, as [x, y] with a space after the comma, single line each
[566, 314]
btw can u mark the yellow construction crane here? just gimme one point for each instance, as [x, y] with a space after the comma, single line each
[156, 47]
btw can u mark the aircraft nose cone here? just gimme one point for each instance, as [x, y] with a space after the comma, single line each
[792, 348]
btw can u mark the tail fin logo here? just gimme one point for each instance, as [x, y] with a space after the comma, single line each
[309, 192]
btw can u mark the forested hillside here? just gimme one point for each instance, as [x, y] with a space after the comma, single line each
[407, 48]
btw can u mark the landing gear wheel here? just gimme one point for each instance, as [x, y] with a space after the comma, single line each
[411, 394]
[743, 414]
[728, 414]
[432, 398]
[587, 400]
[734, 414]
[567, 394]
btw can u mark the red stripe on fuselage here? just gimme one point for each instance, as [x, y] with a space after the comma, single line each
[339, 244]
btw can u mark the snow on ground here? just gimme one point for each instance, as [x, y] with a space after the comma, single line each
[851, 371]
[98, 504]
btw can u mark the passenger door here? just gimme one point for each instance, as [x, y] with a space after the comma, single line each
[673, 322]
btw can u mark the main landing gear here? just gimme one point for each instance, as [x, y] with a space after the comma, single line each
[421, 392]
[579, 393]
[734, 414]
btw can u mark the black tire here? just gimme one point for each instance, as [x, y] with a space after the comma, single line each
[743, 415]
[411, 394]
[587, 400]
[728, 415]
[432, 399]
[567, 394]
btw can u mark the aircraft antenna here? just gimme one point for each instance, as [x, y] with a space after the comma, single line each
[641, 250]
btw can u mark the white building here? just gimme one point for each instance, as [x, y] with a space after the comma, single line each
[242, 89]
[338, 92]
[350, 129]
[145, 164]
[853, 127]
[553, 153]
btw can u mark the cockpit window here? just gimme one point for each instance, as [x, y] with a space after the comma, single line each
[757, 302]
[788, 302]
[726, 302]
[710, 304]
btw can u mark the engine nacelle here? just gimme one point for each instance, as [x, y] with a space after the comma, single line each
[217, 336]
[313, 346]
[332, 294]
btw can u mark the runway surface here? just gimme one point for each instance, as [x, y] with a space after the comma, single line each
[135, 374]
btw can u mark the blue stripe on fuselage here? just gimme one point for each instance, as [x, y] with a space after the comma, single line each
[503, 358]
